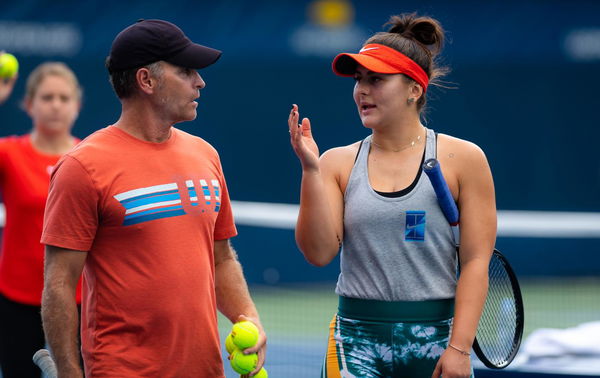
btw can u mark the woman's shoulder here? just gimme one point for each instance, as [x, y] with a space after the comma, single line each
[342, 153]
[457, 147]
[14, 138]
[14, 142]
[338, 162]
[460, 156]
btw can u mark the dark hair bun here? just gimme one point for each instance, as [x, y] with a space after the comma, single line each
[424, 30]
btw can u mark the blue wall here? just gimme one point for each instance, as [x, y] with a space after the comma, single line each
[526, 78]
[521, 93]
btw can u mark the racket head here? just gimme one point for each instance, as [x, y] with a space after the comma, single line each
[501, 324]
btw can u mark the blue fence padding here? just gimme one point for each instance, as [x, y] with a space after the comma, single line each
[263, 249]
[552, 257]
[270, 256]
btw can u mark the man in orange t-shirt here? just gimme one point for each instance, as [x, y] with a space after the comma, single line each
[143, 209]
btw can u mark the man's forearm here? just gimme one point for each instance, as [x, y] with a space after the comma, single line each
[233, 297]
[61, 327]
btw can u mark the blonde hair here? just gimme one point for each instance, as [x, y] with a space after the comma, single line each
[50, 69]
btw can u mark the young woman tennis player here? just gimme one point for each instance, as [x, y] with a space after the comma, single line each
[402, 312]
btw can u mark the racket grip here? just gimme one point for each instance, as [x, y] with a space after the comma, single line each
[442, 192]
[44, 361]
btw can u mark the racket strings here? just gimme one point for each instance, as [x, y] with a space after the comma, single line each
[498, 326]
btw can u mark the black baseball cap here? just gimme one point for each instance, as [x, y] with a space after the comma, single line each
[148, 41]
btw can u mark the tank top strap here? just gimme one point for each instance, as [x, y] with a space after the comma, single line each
[365, 147]
[431, 145]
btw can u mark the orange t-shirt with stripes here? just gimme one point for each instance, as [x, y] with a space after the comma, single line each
[24, 180]
[148, 215]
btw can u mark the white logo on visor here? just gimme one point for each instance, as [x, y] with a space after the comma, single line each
[370, 48]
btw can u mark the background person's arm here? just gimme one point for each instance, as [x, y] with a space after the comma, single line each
[8, 83]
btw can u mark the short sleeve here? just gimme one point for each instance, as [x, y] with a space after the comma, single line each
[71, 215]
[225, 225]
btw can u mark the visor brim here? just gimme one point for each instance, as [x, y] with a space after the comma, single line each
[345, 64]
[195, 56]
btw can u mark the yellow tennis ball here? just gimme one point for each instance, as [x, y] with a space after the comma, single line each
[243, 363]
[9, 66]
[229, 345]
[262, 373]
[244, 334]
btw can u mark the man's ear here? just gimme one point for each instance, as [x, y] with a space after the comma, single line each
[145, 81]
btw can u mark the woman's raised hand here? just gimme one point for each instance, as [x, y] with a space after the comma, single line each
[302, 141]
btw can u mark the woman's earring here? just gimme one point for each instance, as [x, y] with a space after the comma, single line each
[410, 100]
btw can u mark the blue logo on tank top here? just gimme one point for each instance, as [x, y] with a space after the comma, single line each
[415, 226]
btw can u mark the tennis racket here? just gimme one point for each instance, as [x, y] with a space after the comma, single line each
[500, 327]
[45, 362]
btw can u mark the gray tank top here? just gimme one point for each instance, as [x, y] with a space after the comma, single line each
[395, 249]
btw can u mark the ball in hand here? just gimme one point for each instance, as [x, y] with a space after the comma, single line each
[262, 373]
[244, 334]
[9, 66]
[229, 345]
[243, 363]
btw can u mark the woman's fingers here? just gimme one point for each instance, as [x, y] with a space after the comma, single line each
[306, 131]
[293, 120]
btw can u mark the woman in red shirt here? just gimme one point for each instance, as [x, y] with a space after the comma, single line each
[52, 100]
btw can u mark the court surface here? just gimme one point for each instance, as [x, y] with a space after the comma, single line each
[296, 318]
